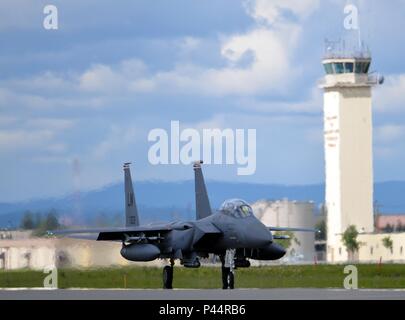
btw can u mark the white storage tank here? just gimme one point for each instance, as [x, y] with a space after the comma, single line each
[285, 213]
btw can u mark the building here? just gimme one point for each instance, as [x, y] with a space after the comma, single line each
[40, 253]
[348, 160]
[372, 248]
[348, 146]
[285, 213]
[390, 222]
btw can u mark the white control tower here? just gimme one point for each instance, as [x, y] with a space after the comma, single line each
[348, 146]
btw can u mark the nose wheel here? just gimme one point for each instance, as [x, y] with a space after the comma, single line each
[168, 276]
[228, 267]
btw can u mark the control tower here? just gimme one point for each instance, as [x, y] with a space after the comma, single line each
[348, 146]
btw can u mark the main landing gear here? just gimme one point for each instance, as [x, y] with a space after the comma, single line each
[228, 267]
[228, 273]
[168, 275]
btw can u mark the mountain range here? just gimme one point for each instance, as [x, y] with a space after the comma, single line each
[164, 201]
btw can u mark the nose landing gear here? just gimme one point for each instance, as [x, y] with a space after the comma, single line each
[228, 278]
[228, 267]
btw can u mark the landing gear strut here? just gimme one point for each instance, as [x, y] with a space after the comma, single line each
[228, 266]
[168, 276]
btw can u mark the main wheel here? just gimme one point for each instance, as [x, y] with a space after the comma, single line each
[231, 280]
[225, 273]
[168, 277]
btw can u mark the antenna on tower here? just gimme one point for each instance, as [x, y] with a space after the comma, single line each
[360, 42]
[352, 23]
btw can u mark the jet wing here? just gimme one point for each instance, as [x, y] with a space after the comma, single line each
[293, 229]
[152, 232]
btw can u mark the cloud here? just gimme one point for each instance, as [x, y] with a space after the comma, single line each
[218, 121]
[389, 97]
[16, 14]
[117, 140]
[257, 61]
[51, 123]
[7, 120]
[51, 159]
[24, 139]
[389, 133]
[385, 152]
[112, 78]
[312, 104]
[263, 76]
[276, 11]
[269, 50]
[189, 44]
[35, 136]
[388, 139]
[269, 69]
[17, 95]
[48, 82]
[227, 76]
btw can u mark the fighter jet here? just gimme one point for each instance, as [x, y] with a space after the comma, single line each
[232, 233]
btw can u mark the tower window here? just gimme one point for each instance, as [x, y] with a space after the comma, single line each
[328, 68]
[349, 67]
[366, 67]
[359, 67]
[339, 67]
[362, 67]
[371, 250]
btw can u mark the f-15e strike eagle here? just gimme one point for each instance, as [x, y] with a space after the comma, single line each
[233, 233]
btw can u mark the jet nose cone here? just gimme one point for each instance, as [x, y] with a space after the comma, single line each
[278, 251]
[257, 235]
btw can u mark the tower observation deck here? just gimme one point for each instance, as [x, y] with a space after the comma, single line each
[345, 68]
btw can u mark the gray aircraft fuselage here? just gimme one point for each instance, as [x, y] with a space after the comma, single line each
[213, 234]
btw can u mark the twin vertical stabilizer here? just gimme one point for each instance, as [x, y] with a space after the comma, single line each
[131, 211]
[202, 203]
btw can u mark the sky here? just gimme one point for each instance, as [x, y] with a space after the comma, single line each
[78, 101]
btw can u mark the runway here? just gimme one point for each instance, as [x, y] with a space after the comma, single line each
[191, 294]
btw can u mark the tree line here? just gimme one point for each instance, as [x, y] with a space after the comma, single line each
[40, 222]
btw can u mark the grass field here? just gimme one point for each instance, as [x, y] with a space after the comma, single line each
[308, 276]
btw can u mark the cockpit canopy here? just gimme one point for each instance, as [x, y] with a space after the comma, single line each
[236, 208]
